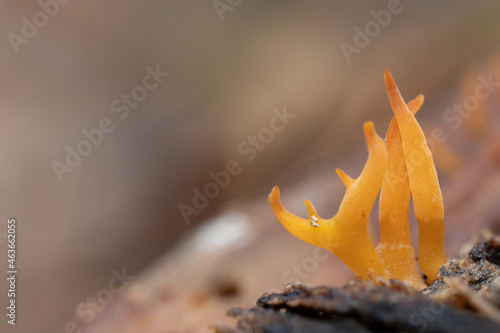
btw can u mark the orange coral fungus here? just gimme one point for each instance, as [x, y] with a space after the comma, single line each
[424, 185]
[350, 225]
[403, 169]
[395, 249]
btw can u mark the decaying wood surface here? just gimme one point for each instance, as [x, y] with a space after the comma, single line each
[464, 299]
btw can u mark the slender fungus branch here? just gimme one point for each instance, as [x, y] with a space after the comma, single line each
[395, 249]
[424, 185]
[346, 234]
[299, 227]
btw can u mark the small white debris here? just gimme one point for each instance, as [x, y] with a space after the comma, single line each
[225, 232]
[314, 221]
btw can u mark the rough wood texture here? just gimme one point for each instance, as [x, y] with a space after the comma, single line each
[470, 303]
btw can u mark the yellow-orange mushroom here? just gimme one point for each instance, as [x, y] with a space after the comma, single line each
[424, 185]
[400, 169]
[346, 234]
[395, 249]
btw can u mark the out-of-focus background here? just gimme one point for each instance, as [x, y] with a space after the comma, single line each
[174, 94]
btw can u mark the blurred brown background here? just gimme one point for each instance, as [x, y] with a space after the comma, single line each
[120, 207]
